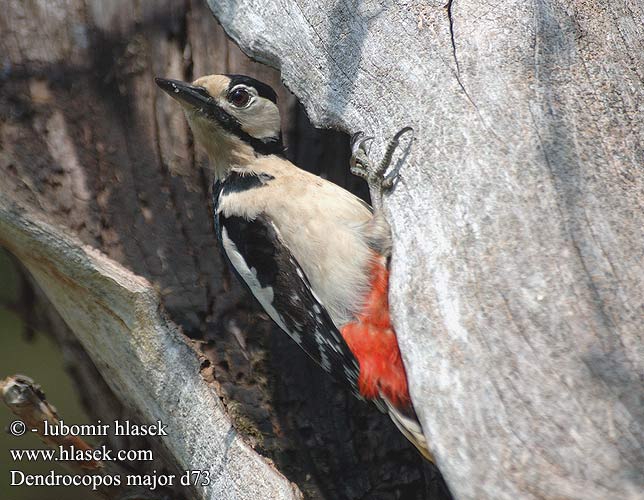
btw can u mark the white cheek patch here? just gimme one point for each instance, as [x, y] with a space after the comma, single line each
[264, 295]
[260, 120]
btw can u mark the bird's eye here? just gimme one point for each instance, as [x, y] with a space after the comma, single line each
[239, 97]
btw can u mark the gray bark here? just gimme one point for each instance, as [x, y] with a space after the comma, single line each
[517, 273]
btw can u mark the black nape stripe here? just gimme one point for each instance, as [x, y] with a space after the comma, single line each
[263, 90]
[237, 182]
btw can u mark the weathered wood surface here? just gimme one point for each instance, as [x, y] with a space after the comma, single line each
[89, 156]
[518, 279]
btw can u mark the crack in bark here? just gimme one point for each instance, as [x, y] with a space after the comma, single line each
[448, 6]
[450, 18]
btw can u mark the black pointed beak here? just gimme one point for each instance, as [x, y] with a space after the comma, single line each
[184, 92]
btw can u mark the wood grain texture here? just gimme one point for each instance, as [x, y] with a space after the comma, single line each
[517, 276]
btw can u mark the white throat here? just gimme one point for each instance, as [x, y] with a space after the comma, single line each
[225, 150]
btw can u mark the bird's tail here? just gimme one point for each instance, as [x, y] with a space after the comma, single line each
[407, 423]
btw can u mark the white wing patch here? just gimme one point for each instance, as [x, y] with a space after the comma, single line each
[264, 295]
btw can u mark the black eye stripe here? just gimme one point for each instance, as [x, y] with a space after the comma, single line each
[268, 146]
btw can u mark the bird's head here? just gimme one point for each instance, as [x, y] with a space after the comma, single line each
[234, 117]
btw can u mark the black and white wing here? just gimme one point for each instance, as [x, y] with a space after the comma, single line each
[263, 262]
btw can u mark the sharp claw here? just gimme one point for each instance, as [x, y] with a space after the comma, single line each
[360, 172]
[358, 139]
[359, 151]
[389, 181]
[401, 132]
[363, 143]
[354, 139]
[356, 142]
[362, 166]
[391, 148]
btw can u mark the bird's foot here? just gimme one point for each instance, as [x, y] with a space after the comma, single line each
[376, 175]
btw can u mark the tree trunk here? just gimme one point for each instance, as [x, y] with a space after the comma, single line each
[104, 199]
[517, 275]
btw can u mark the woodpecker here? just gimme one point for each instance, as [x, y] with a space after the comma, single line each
[313, 255]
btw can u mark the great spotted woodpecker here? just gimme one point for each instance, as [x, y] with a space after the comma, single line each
[313, 255]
